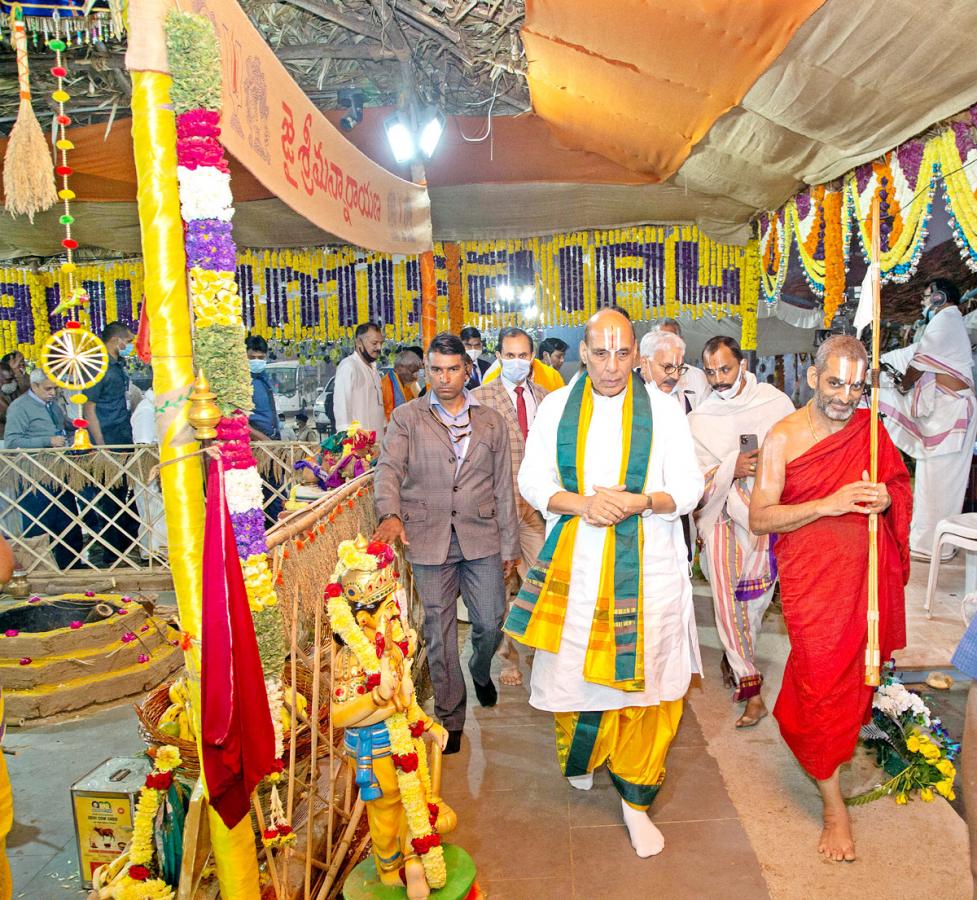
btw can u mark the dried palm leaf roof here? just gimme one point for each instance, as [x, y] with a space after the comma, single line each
[463, 55]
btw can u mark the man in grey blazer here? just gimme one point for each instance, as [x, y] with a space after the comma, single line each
[443, 488]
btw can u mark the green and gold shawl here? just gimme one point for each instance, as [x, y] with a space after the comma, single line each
[615, 649]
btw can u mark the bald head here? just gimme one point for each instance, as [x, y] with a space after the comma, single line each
[609, 350]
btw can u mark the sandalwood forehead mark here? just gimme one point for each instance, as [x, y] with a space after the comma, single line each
[609, 338]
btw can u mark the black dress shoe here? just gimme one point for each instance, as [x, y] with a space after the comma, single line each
[454, 743]
[486, 693]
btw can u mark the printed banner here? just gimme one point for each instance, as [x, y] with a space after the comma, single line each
[274, 130]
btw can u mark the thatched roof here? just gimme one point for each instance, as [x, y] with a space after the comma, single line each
[463, 55]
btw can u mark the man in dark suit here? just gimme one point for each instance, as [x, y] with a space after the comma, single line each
[471, 337]
[443, 488]
[516, 397]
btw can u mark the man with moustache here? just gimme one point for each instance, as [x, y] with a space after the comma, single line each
[812, 489]
[608, 608]
[663, 364]
[728, 429]
[358, 393]
[693, 380]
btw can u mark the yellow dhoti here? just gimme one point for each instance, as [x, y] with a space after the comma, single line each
[633, 741]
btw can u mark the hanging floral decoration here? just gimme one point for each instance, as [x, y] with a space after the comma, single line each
[957, 149]
[904, 184]
[774, 243]
[206, 205]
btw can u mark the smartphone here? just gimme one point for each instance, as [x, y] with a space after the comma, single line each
[748, 443]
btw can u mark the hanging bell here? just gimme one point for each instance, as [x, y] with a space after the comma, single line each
[204, 413]
[82, 440]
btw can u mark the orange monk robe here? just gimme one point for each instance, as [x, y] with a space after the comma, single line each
[824, 700]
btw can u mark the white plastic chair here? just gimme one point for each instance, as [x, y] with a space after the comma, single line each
[959, 531]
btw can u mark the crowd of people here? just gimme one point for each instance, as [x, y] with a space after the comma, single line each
[566, 518]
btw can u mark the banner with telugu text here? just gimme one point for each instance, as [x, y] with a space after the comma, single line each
[272, 128]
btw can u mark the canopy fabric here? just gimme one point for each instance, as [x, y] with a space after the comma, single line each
[642, 81]
[855, 80]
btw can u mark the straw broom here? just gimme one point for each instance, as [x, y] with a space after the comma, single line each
[872, 660]
[28, 170]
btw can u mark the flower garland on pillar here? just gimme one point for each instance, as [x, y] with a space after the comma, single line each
[957, 148]
[206, 205]
[834, 254]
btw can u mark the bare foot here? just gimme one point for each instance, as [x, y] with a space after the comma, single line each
[417, 886]
[836, 841]
[510, 676]
[755, 710]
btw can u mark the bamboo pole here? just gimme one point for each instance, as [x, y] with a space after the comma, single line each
[294, 722]
[337, 858]
[314, 764]
[872, 656]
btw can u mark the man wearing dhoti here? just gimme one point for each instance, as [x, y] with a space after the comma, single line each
[611, 467]
[812, 489]
[931, 413]
[728, 428]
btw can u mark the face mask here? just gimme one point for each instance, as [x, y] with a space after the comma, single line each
[473, 354]
[126, 351]
[257, 366]
[9, 388]
[515, 370]
[731, 392]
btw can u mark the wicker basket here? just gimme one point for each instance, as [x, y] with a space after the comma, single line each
[158, 701]
[149, 714]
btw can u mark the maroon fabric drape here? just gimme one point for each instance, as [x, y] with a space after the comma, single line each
[238, 738]
[824, 700]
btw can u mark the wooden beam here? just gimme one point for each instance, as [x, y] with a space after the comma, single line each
[329, 51]
[325, 10]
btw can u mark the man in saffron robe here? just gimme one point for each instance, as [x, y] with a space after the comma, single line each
[399, 384]
[611, 467]
[812, 489]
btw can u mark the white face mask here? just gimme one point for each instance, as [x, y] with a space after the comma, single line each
[732, 391]
[516, 370]
[473, 354]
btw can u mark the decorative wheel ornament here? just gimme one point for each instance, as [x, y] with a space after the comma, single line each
[75, 359]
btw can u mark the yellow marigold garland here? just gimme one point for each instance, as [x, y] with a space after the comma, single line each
[215, 298]
[414, 786]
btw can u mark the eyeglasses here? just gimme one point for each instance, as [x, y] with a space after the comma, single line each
[675, 370]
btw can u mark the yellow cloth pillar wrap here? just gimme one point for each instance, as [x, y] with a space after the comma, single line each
[154, 147]
[6, 817]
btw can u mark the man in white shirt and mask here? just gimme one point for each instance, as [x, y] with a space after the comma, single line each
[516, 398]
[611, 466]
[728, 428]
[358, 393]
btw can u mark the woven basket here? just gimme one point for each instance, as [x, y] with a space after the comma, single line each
[149, 714]
[158, 701]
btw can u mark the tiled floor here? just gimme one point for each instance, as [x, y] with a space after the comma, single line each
[737, 815]
[533, 836]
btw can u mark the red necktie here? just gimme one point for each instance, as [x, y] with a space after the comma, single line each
[521, 411]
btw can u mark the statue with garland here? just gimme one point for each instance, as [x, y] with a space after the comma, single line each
[373, 699]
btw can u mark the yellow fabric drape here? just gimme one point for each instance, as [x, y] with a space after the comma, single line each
[154, 146]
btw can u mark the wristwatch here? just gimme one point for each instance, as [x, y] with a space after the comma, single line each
[387, 516]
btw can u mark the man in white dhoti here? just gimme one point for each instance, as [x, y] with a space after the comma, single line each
[727, 429]
[930, 412]
[610, 465]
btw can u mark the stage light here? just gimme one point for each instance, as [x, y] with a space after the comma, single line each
[532, 312]
[431, 128]
[505, 292]
[527, 295]
[400, 138]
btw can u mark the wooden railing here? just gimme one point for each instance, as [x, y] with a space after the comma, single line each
[65, 511]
